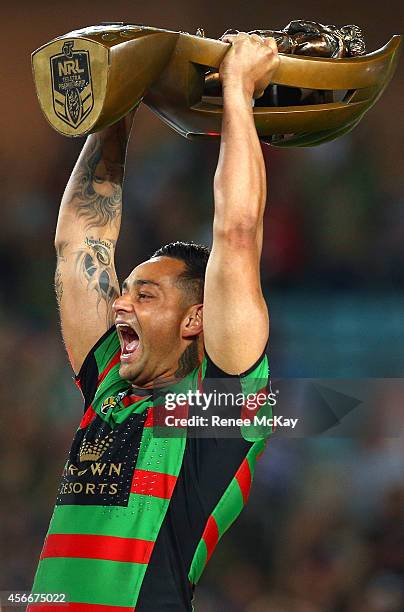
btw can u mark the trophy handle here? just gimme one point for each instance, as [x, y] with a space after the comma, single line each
[177, 95]
[90, 78]
[181, 96]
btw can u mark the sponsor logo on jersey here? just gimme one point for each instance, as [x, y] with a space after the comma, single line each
[111, 402]
[101, 463]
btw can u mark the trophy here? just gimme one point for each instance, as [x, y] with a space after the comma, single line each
[324, 84]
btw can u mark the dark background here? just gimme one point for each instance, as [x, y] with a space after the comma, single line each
[324, 528]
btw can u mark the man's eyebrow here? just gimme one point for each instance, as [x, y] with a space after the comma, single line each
[144, 281]
[139, 283]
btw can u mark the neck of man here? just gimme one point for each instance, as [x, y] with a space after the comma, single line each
[190, 359]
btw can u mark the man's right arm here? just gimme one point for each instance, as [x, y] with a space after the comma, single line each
[87, 231]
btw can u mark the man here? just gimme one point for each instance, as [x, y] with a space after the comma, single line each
[138, 516]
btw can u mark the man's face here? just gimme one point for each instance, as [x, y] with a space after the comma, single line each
[148, 317]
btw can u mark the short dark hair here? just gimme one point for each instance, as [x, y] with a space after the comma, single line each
[195, 258]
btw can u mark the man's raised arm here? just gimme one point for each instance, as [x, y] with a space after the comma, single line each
[86, 234]
[236, 323]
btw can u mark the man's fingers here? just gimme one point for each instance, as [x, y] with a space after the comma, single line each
[270, 42]
[256, 38]
[233, 36]
[230, 38]
[253, 59]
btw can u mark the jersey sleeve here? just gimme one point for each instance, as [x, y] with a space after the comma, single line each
[100, 369]
[252, 391]
[218, 468]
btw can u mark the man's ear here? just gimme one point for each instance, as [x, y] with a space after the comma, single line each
[192, 324]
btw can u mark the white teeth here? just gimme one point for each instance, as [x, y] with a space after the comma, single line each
[123, 327]
[132, 346]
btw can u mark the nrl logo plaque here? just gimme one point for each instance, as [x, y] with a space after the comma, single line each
[72, 90]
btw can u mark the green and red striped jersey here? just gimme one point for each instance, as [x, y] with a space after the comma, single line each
[139, 510]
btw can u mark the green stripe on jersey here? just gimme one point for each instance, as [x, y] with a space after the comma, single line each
[159, 454]
[257, 379]
[252, 454]
[253, 383]
[54, 574]
[229, 507]
[106, 351]
[198, 562]
[135, 521]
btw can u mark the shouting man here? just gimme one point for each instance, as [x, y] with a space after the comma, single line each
[138, 515]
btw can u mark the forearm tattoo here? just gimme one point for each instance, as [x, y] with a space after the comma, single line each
[60, 258]
[102, 165]
[97, 210]
[95, 266]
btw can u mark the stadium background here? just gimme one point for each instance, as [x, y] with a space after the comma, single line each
[324, 527]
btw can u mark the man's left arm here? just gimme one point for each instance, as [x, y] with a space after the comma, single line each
[236, 322]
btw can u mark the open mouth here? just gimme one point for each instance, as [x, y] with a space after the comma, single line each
[129, 339]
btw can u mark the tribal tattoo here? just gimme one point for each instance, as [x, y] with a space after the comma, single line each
[95, 265]
[60, 258]
[96, 208]
[188, 361]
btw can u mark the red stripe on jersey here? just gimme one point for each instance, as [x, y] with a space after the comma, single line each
[110, 548]
[149, 419]
[77, 607]
[115, 359]
[160, 414]
[243, 477]
[210, 536]
[253, 406]
[128, 400]
[145, 482]
[89, 415]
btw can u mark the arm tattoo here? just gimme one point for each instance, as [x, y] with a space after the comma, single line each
[188, 361]
[58, 276]
[96, 209]
[95, 265]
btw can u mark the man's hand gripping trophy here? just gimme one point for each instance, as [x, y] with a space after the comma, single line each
[250, 63]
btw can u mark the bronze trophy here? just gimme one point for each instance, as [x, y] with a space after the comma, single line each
[324, 84]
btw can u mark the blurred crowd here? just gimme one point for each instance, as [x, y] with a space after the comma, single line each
[324, 527]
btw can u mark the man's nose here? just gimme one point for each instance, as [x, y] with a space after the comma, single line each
[123, 303]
